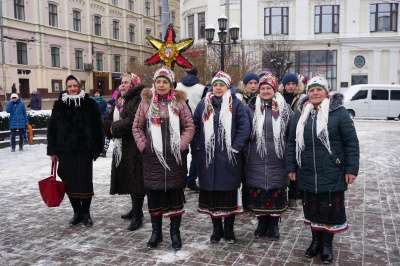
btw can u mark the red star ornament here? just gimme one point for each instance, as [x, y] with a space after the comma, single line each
[169, 52]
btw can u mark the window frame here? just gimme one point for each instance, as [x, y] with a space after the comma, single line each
[97, 26]
[131, 32]
[78, 59]
[115, 29]
[19, 9]
[117, 63]
[131, 5]
[53, 15]
[190, 26]
[55, 88]
[284, 21]
[321, 16]
[147, 33]
[393, 16]
[114, 2]
[201, 25]
[147, 8]
[55, 57]
[77, 21]
[99, 62]
[22, 53]
[173, 17]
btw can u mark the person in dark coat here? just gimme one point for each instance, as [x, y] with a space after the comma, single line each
[13, 88]
[269, 117]
[75, 139]
[36, 101]
[99, 99]
[127, 165]
[222, 128]
[163, 129]
[18, 120]
[323, 156]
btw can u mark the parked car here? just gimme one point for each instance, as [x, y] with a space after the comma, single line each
[373, 101]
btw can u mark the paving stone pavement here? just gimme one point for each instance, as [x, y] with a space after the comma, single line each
[32, 234]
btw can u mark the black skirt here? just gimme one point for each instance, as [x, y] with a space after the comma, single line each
[76, 169]
[169, 203]
[219, 203]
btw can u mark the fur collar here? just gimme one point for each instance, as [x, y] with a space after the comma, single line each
[336, 101]
[147, 95]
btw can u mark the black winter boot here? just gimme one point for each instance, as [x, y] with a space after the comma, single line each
[262, 227]
[273, 228]
[175, 233]
[77, 206]
[229, 234]
[156, 234]
[314, 247]
[326, 247]
[136, 222]
[87, 220]
[218, 230]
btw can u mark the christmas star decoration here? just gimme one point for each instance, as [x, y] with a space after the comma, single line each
[169, 52]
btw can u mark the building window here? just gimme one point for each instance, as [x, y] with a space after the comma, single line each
[383, 17]
[201, 25]
[132, 33]
[22, 57]
[115, 30]
[160, 11]
[77, 20]
[131, 5]
[148, 33]
[99, 62]
[97, 25]
[276, 20]
[78, 59]
[117, 63]
[19, 9]
[115, 2]
[56, 85]
[326, 19]
[55, 57]
[173, 17]
[191, 26]
[147, 9]
[359, 79]
[53, 20]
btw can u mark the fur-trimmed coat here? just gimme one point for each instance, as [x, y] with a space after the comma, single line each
[321, 172]
[296, 95]
[156, 177]
[75, 129]
[127, 178]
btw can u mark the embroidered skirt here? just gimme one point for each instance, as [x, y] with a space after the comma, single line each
[325, 211]
[272, 202]
[76, 169]
[169, 203]
[220, 204]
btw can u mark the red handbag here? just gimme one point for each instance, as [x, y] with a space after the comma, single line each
[52, 190]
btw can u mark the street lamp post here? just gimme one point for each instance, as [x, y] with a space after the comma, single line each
[233, 33]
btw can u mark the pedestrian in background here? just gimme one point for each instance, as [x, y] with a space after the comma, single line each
[13, 88]
[291, 89]
[222, 128]
[18, 120]
[109, 108]
[323, 156]
[74, 139]
[36, 101]
[269, 117]
[99, 99]
[163, 129]
[127, 165]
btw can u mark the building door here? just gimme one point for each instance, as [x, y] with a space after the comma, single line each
[24, 88]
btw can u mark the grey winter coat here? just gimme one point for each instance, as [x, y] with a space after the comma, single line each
[269, 172]
[220, 175]
[321, 172]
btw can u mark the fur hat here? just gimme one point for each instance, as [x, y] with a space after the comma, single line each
[318, 81]
[250, 76]
[289, 77]
[269, 79]
[165, 72]
[14, 95]
[223, 77]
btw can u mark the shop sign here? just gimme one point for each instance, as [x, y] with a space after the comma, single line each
[101, 74]
[23, 71]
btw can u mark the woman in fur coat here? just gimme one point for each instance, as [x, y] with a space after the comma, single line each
[323, 156]
[74, 139]
[126, 167]
[163, 129]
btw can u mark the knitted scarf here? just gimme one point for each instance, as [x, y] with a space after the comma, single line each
[280, 118]
[322, 113]
[225, 126]
[174, 129]
[117, 115]
[67, 98]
